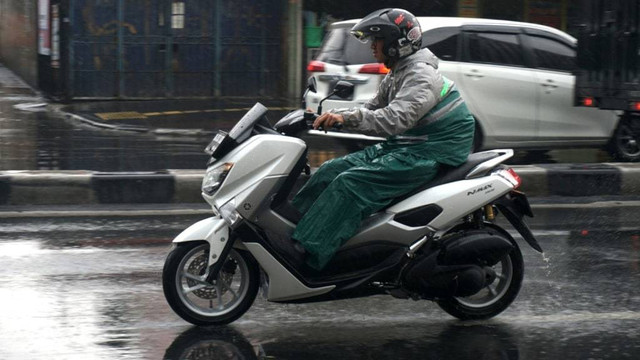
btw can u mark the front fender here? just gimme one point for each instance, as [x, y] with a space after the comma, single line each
[213, 230]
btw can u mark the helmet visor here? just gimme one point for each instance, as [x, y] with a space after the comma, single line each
[362, 36]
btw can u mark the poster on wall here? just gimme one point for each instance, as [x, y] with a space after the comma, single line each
[468, 8]
[55, 36]
[44, 33]
[549, 12]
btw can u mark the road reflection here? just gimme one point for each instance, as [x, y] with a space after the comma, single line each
[212, 343]
[454, 341]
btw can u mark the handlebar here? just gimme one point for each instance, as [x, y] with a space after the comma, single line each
[310, 117]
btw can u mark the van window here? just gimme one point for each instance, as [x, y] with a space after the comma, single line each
[495, 48]
[443, 42]
[340, 48]
[552, 54]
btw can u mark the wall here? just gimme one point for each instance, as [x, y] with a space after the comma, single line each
[18, 38]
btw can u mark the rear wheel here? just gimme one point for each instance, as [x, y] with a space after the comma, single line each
[495, 297]
[201, 303]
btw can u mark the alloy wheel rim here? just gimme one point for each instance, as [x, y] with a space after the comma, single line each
[493, 292]
[220, 298]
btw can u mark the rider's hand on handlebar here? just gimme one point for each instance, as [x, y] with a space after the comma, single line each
[328, 120]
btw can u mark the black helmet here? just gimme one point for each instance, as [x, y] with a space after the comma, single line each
[399, 29]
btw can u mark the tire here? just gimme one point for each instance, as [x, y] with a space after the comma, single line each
[496, 297]
[625, 144]
[199, 303]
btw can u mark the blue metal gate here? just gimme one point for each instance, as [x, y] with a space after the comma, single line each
[175, 48]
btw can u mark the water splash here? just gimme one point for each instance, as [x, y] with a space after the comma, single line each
[547, 261]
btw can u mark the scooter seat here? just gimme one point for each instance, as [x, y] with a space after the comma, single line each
[447, 174]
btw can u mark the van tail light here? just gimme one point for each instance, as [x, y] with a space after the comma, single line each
[374, 69]
[315, 66]
[588, 101]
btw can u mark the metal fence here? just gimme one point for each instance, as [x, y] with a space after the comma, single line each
[173, 48]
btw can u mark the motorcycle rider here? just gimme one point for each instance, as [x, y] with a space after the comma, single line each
[426, 122]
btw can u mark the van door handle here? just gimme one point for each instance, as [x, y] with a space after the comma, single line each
[474, 73]
[549, 85]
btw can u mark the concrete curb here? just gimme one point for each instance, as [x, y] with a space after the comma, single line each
[183, 186]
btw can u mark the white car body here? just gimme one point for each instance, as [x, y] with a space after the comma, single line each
[520, 106]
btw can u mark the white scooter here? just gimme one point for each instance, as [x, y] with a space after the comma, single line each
[438, 243]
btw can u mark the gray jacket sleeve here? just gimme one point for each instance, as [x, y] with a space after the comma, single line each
[411, 94]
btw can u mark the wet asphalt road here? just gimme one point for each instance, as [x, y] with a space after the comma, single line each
[89, 288]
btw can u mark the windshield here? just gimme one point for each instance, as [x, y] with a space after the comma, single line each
[242, 130]
[340, 48]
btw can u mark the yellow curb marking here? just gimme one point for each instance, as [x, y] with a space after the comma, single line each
[121, 115]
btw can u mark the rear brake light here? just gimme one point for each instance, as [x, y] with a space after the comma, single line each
[511, 176]
[588, 101]
[315, 66]
[635, 106]
[374, 69]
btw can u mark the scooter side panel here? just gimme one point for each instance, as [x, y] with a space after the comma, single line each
[213, 230]
[457, 199]
[283, 285]
[383, 228]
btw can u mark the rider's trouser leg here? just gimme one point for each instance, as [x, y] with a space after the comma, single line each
[324, 176]
[353, 194]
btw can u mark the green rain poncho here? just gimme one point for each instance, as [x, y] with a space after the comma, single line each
[426, 123]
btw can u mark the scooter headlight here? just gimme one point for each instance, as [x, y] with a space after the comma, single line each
[214, 178]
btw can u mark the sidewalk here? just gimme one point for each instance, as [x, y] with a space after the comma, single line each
[12, 85]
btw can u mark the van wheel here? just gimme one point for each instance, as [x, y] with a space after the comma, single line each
[625, 144]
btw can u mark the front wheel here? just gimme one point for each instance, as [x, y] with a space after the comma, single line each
[224, 300]
[495, 297]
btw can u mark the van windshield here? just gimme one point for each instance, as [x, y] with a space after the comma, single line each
[340, 48]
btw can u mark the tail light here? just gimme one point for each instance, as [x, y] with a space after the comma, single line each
[511, 176]
[588, 101]
[315, 66]
[374, 69]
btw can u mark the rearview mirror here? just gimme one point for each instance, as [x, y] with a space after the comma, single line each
[343, 89]
[311, 84]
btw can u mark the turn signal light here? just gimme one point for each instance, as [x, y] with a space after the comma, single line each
[374, 69]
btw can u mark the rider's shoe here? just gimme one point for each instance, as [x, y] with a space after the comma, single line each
[291, 250]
